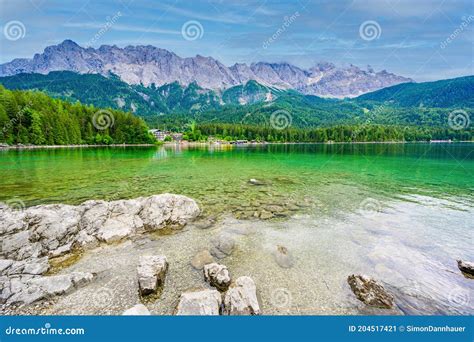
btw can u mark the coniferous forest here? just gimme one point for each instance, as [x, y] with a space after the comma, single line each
[339, 133]
[30, 117]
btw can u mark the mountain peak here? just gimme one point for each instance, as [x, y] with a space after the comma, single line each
[147, 64]
[68, 44]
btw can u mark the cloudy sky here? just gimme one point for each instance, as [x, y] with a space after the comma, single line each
[422, 39]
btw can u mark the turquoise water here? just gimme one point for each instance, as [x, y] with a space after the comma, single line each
[211, 174]
[402, 213]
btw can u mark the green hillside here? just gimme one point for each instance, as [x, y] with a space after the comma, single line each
[174, 106]
[457, 92]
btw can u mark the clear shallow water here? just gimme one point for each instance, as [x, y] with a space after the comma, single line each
[399, 212]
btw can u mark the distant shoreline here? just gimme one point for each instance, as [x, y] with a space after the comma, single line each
[195, 143]
[28, 147]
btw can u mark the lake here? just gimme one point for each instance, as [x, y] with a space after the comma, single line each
[402, 213]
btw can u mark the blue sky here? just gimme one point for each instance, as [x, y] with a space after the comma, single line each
[410, 37]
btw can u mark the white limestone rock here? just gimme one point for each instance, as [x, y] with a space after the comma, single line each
[11, 220]
[53, 224]
[60, 250]
[119, 227]
[199, 303]
[137, 310]
[27, 290]
[241, 298]
[163, 210]
[95, 213]
[151, 273]
[5, 291]
[12, 243]
[217, 275]
[33, 266]
[5, 264]
[29, 237]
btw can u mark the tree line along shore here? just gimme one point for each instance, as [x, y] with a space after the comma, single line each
[31, 118]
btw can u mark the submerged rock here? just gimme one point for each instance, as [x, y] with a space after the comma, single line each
[283, 257]
[202, 258]
[206, 224]
[466, 267]
[201, 303]
[217, 275]
[137, 310]
[370, 291]
[254, 181]
[265, 215]
[241, 298]
[222, 245]
[151, 273]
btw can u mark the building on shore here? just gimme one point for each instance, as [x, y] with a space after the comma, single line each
[161, 135]
[441, 141]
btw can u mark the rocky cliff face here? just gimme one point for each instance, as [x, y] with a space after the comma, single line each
[149, 64]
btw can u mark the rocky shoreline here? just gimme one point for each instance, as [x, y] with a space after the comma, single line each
[35, 242]
[31, 237]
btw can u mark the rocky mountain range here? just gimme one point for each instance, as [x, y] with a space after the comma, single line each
[149, 65]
